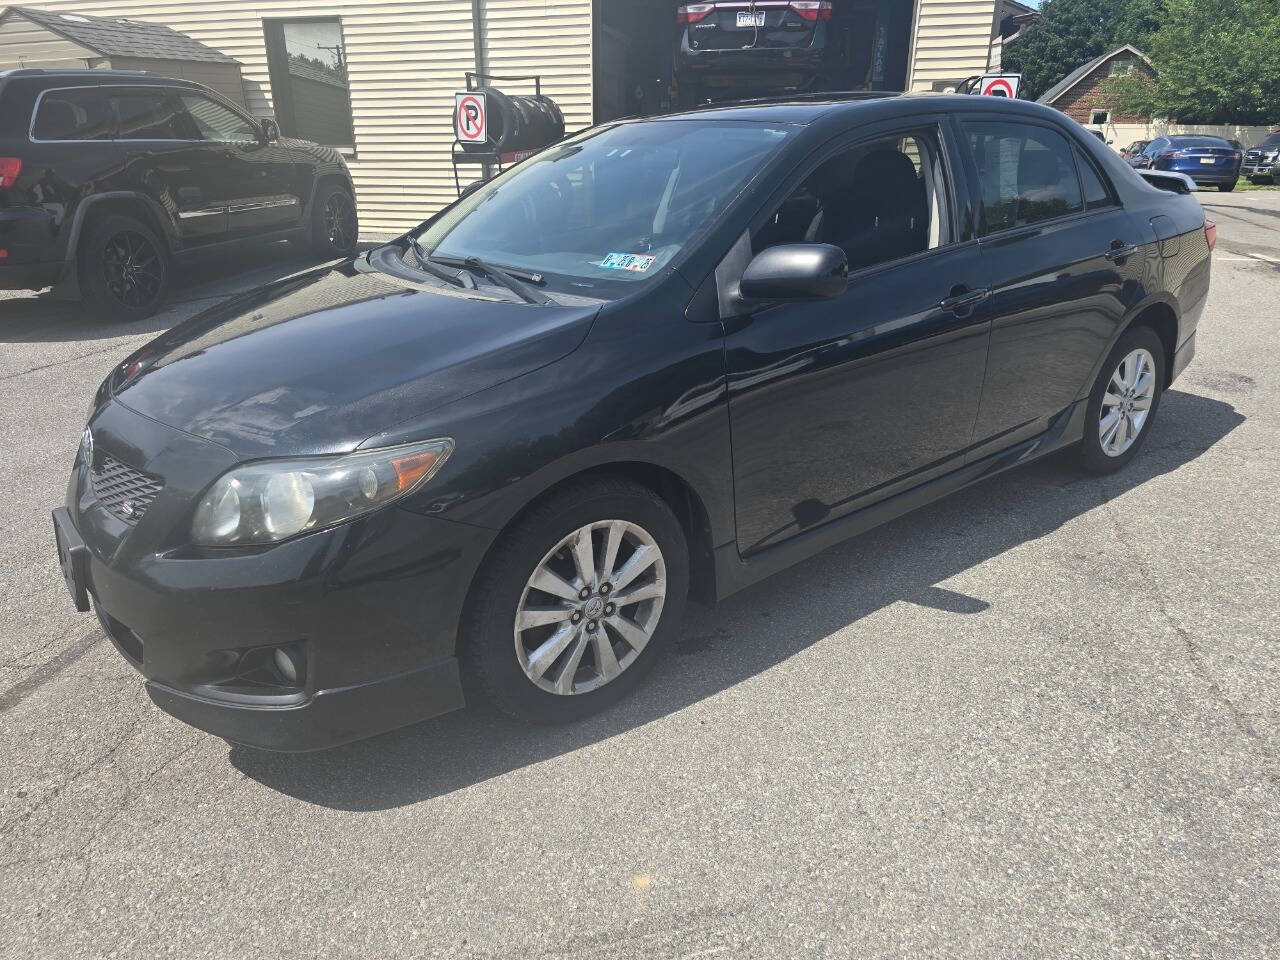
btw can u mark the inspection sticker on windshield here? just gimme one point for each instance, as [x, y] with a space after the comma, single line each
[635, 262]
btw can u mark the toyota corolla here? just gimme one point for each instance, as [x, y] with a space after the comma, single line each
[492, 458]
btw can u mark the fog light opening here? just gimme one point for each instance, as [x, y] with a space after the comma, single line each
[290, 665]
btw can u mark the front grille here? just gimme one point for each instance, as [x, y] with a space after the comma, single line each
[1252, 156]
[124, 491]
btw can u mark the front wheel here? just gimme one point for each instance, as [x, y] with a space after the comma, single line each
[576, 602]
[335, 226]
[1124, 401]
[1227, 187]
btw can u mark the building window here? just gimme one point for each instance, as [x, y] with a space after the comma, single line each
[1120, 67]
[1099, 117]
[308, 64]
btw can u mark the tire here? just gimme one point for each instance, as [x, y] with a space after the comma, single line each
[124, 270]
[1094, 456]
[1227, 187]
[498, 661]
[335, 225]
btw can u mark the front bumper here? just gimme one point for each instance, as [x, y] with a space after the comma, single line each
[373, 604]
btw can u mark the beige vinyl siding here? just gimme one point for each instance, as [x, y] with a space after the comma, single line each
[224, 78]
[952, 41]
[25, 44]
[405, 59]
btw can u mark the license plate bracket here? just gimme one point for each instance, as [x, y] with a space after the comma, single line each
[747, 18]
[1208, 160]
[73, 558]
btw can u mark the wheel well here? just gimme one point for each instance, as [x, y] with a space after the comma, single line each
[1161, 318]
[674, 491]
[335, 178]
[122, 207]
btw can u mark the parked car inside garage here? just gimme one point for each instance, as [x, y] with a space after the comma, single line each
[107, 177]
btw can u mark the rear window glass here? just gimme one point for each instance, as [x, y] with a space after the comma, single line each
[1027, 174]
[73, 115]
[1200, 143]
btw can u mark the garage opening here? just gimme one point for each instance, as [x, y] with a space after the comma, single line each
[654, 56]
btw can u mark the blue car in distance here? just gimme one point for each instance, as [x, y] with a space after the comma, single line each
[1209, 161]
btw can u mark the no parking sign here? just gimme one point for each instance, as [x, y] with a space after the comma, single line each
[470, 118]
[999, 85]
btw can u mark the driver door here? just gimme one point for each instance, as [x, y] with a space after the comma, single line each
[837, 404]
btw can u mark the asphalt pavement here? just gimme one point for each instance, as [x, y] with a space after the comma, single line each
[1037, 719]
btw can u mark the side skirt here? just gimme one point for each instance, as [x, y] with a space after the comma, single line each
[733, 573]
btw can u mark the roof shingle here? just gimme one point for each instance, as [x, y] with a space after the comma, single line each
[123, 38]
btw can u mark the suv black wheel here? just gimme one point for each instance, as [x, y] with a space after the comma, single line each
[576, 602]
[1124, 401]
[335, 227]
[124, 269]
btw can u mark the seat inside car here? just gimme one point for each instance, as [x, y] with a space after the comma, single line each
[881, 213]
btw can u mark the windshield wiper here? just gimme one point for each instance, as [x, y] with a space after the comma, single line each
[517, 286]
[420, 253]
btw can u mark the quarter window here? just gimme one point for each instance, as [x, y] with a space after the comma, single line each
[878, 201]
[73, 115]
[1096, 193]
[1026, 173]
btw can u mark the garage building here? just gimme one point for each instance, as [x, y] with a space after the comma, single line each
[376, 78]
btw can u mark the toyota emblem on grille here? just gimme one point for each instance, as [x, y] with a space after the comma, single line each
[86, 447]
[127, 508]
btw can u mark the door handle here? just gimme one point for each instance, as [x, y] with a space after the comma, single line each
[1119, 250]
[964, 299]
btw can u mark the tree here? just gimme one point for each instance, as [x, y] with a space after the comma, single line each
[1074, 32]
[1218, 62]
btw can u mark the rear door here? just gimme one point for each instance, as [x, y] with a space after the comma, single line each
[261, 195]
[164, 158]
[840, 403]
[1062, 260]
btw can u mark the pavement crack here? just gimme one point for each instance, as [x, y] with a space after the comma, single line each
[42, 674]
[1241, 719]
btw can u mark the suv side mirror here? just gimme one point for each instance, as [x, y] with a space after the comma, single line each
[270, 130]
[796, 271]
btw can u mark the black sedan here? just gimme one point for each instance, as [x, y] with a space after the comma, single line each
[667, 357]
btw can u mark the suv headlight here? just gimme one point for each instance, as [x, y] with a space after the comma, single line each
[272, 500]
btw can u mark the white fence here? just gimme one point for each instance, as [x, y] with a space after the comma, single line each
[1122, 134]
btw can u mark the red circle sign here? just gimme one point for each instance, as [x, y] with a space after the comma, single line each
[470, 120]
[998, 87]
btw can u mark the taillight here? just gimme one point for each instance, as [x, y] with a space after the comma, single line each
[1211, 234]
[811, 9]
[10, 167]
[693, 12]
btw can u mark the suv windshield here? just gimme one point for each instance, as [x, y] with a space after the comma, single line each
[609, 207]
[1269, 142]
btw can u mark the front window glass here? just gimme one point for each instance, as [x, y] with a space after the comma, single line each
[216, 122]
[611, 207]
[151, 115]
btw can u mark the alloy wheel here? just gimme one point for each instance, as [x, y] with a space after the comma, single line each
[340, 221]
[1127, 403]
[133, 269]
[591, 607]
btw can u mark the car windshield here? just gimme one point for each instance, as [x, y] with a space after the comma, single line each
[1199, 143]
[608, 208]
[1269, 142]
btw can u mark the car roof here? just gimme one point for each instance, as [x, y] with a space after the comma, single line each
[89, 75]
[808, 109]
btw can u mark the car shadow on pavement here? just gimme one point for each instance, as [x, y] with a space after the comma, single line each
[903, 560]
[197, 285]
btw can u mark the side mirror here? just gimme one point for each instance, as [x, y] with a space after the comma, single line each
[270, 130]
[796, 271]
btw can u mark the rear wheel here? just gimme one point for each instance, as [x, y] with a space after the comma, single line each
[124, 269]
[1227, 187]
[1124, 401]
[576, 602]
[335, 226]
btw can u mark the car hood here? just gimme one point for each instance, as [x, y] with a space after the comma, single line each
[319, 362]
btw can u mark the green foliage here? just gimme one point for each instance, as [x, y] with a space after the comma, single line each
[1218, 62]
[1076, 31]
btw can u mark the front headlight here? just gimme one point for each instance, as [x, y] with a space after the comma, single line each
[273, 500]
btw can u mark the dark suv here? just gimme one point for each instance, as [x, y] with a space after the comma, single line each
[106, 176]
